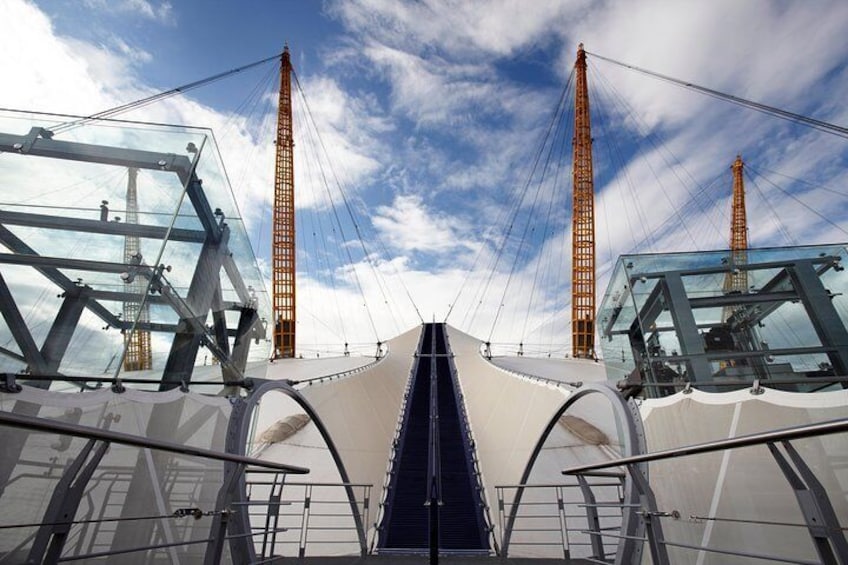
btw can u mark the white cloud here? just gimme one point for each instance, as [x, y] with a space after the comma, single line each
[162, 12]
[434, 118]
[408, 225]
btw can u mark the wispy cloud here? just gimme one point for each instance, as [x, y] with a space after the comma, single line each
[162, 12]
[432, 113]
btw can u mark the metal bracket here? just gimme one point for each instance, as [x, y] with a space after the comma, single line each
[9, 384]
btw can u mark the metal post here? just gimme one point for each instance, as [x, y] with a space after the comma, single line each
[818, 303]
[691, 342]
[563, 524]
[218, 530]
[180, 363]
[647, 512]
[63, 506]
[304, 521]
[821, 519]
[592, 520]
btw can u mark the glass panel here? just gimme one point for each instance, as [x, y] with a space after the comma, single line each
[96, 216]
[753, 318]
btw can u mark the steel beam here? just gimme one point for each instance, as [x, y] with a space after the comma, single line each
[249, 328]
[15, 244]
[81, 225]
[41, 261]
[818, 303]
[691, 342]
[60, 334]
[198, 301]
[20, 332]
[721, 269]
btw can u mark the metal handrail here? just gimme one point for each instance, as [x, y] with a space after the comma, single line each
[786, 434]
[559, 506]
[305, 503]
[821, 521]
[55, 426]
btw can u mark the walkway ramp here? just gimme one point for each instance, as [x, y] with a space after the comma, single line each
[434, 404]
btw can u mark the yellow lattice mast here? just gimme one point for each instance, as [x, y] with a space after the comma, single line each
[737, 278]
[139, 355]
[283, 245]
[583, 220]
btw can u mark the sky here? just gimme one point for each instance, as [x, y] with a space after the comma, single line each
[417, 126]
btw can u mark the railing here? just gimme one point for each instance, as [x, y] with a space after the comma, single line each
[556, 519]
[289, 516]
[52, 533]
[336, 376]
[471, 448]
[820, 519]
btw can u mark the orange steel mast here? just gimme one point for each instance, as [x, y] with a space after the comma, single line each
[583, 221]
[283, 252]
[737, 279]
[139, 356]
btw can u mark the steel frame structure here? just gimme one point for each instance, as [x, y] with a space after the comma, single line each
[59, 516]
[796, 280]
[204, 292]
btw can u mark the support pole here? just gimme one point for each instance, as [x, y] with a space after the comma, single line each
[582, 220]
[283, 246]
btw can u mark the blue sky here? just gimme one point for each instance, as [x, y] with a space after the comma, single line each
[432, 113]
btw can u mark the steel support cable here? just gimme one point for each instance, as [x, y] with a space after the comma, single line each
[775, 216]
[348, 274]
[504, 213]
[326, 183]
[162, 95]
[529, 225]
[796, 199]
[315, 158]
[305, 221]
[813, 123]
[549, 143]
[558, 150]
[261, 87]
[522, 193]
[518, 198]
[646, 133]
[802, 181]
[251, 104]
[706, 190]
[367, 255]
[353, 218]
[616, 156]
[663, 188]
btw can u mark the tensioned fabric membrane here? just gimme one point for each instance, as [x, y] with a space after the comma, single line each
[128, 483]
[743, 484]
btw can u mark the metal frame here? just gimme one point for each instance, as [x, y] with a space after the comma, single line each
[59, 516]
[190, 332]
[633, 442]
[818, 512]
[797, 280]
[238, 433]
